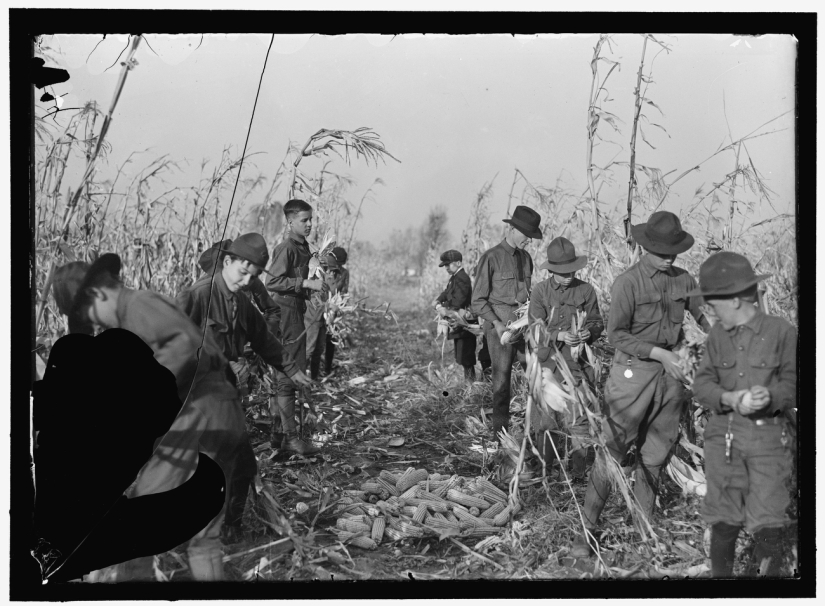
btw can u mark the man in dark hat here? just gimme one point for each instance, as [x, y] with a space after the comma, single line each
[644, 395]
[453, 303]
[233, 322]
[211, 420]
[502, 284]
[556, 302]
[747, 377]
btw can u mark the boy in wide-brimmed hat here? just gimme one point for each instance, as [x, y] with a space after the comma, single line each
[556, 301]
[502, 283]
[644, 396]
[291, 289]
[211, 420]
[455, 300]
[747, 377]
[215, 302]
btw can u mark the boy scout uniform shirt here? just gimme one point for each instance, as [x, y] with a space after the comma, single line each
[233, 321]
[457, 295]
[647, 309]
[759, 352]
[175, 339]
[289, 269]
[564, 302]
[500, 287]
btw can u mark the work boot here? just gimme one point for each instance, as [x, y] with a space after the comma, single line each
[291, 441]
[767, 555]
[584, 546]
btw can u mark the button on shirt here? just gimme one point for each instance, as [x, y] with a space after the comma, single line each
[289, 268]
[647, 308]
[500, 286]
[759, 352]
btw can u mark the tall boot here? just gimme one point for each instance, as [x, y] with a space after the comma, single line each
[767, 556]
[722, 549]
[292, 442]
[329, 354]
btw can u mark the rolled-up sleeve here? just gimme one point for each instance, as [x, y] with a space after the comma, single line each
[621, 317]
[481, 291]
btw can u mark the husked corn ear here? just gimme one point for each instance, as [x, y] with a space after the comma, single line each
[490, 488]
[363, 542]
[420, 512]
[388, 476]
[474, 511]
[428, 496]
[350, 505]
[432, 485]
[466, 500]
[502, 518]
[357, 518]
[373, 499]
[434, 522]
[356, 494]
[393, 501]
[409, 510]
[384, 495]
[373, 511]
[372, 487]
[493, 498]
[407, 529]
[404, 475]
[465, 516]
[410, 492]
[378, 529]
[431, 505]
[436, 477]
[484, 544]
[493, 511]
[388, 487]
[451, 517]
[352, 525]
[411, 479]
[394, 535]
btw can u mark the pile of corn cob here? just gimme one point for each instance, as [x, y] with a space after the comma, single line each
[415, 504]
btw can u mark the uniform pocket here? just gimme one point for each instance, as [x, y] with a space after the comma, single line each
[648, 308]
[677, 307]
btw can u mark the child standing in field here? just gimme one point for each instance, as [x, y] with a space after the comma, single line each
[644, 396]
[454, 301]
[291, 287]
[215, 302]
[747, 377]
[556, 301]
[342, 287]
[211, 420]
[314, 319]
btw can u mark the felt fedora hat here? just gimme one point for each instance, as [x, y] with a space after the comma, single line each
[250, 247]
[725, 273]
[662, 234]
[527, 221]
[449, 257]
[561, 257]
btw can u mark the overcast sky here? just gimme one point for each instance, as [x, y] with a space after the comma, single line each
[456, 110]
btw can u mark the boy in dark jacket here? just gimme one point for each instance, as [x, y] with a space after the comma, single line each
[556, 301]
[747, 377]
[455, 301]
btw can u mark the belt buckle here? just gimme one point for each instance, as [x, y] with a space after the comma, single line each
[761, 421]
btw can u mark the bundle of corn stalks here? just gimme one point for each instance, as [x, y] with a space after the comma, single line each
[691, 347]
[335, 310]
[418, 504]
[518, 326]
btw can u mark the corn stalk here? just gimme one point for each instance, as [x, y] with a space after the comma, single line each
[127, 66]
[631, 185]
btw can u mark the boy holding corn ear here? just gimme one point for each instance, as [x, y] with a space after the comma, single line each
[316, 336]
[747, 377]
[558, 301]
[502, 285]
[452, 303]
[291, 287]
[644, 396]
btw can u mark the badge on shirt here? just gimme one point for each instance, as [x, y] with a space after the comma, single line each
[628, 373]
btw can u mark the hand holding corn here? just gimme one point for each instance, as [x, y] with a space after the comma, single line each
[568, 337]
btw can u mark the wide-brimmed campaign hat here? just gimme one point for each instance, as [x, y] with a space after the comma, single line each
[251, 247]
[450, 256]
[527, 221]
[725, 273]
[561, 257]
[662, 234]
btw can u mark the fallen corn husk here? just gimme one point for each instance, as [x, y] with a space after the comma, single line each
[336, 307]
[689, 479]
